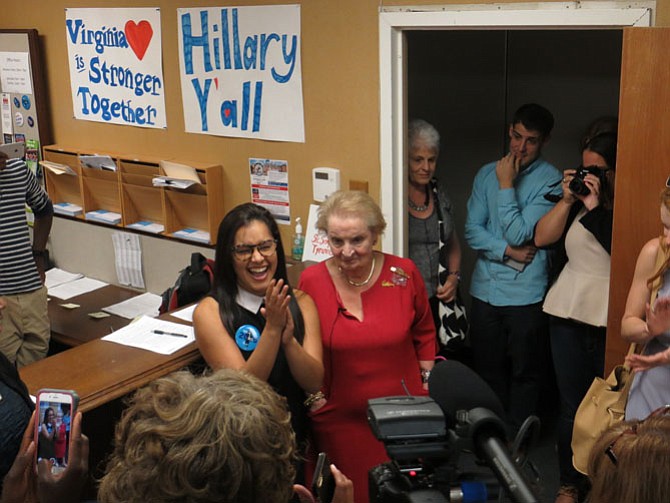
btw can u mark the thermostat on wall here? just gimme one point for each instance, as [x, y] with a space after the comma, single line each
[325, 181]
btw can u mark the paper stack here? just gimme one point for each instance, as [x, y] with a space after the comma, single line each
[57, 168]
[68, 209]
[175, 183]
[192, 235]
[98, 162]
[147, 226]
[104, 216]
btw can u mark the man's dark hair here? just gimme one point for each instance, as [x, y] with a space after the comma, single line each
[534, 117]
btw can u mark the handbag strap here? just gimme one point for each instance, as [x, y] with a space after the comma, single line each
[658, 282]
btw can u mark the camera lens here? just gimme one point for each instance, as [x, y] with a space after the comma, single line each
[578, 187]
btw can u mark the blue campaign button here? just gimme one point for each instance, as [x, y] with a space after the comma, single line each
[247, 337]
[31, 121]
[17, 103]
[25, 101]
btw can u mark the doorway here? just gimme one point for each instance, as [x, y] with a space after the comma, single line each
[468, 83]
[395, 22]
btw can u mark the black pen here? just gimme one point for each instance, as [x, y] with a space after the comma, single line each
[174, 334]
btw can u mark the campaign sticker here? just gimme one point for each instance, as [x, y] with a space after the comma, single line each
[30, 121]
[17, 103]
[25, 101]
[247, 337]
[18, 118]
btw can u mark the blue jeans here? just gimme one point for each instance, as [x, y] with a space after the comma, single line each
[578, 351]
[509, 345]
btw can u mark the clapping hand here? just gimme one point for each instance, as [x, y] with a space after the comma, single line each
[276, 304]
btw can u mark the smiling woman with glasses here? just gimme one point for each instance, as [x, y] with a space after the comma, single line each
[253, 320]
[630, 463]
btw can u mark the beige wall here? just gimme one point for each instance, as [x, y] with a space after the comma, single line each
[341, 101]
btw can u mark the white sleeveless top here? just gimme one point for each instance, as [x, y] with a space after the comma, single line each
[581, 292]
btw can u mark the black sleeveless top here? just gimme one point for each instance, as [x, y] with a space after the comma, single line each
[280, 377]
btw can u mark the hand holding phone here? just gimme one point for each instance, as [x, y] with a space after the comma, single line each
[323, 483]
[55, 410]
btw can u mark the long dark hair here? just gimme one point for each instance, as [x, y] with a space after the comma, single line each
[225, 286]
[604, 144]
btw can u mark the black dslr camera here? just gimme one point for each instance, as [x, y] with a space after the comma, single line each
[577, 185]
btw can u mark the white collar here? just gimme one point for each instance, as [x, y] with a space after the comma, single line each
[249, 301]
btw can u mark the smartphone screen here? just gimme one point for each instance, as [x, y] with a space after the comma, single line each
[55, 410]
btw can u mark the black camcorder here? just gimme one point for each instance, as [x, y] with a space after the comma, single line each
[577, 185]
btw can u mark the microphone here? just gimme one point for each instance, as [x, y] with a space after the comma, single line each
[470, 404]
[455, 387]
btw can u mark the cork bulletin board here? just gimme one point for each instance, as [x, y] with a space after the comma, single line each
[24, 113]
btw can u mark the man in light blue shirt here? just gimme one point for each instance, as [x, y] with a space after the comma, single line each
[508, 328]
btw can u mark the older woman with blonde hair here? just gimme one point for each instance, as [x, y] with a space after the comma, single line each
[377, 329]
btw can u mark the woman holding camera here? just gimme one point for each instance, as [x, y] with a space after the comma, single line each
[580, 229]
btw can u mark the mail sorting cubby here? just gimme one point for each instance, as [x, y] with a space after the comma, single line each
[141, 202]
[196, 208]
[63, 188]
[101, 190]
[129, 190]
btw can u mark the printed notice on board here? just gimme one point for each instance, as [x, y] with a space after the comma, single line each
[269, 187]
[15, 73]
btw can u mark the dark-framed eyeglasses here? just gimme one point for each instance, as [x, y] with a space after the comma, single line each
[667, 182]
[266, 248]
[661, 411]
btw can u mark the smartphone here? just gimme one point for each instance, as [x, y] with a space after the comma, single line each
[54, 414]
[323, 483]
[13, 150]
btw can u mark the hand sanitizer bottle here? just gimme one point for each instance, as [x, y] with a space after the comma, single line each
[298, 241]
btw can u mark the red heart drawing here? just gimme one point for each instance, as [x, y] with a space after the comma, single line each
[138, 36]
[226, 112]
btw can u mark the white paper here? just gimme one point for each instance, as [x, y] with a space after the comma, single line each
[140, 335]
[56, 276]
[179, 171]
[98, 162]
[269, 187]
[57, 168]
[128, 262]
[185, 314]
[175, 183]
[146, 304]
[71, 289]
[15, 73]
[7, 124]
[316, 242]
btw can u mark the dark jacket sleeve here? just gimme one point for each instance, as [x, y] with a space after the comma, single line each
[598, 222]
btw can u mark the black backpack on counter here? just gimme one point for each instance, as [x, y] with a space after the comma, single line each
[193, 283]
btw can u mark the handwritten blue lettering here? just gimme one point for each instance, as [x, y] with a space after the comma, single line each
[107, 109]
[118, 76]
[202, 100]
[190, 41]
[102, 38]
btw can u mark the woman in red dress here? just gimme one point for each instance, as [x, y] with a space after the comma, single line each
[377, 331]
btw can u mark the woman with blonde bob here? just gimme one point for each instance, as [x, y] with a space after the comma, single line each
[630, 462]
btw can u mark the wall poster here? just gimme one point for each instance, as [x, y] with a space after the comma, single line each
[116, 72]
[241, 71]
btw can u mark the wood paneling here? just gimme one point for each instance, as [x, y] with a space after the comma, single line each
[643, 164]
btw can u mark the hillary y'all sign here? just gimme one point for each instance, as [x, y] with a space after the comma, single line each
[116, 72]
[241, 71]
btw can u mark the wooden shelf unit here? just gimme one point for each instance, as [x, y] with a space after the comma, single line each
[130, 192]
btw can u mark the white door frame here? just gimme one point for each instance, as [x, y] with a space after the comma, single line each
[393, 21]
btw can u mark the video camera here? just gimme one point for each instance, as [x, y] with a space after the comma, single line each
[424, 438]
